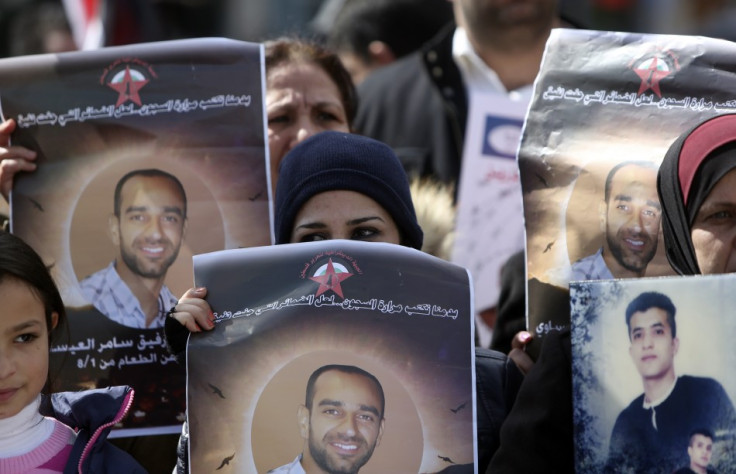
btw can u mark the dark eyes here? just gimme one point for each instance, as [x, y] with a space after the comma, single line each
[720, 215]
[366, 417]
[278, 119]
[169, 219]
[313, 238]
[363, 233]
[647, 212]
[320, 116]
[327, 116]
[26, 338]
[640, 334]
[359, 233]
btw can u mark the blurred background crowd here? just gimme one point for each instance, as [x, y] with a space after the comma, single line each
[32, 26]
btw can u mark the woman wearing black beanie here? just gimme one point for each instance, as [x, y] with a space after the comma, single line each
[348, 174]
[332, 185]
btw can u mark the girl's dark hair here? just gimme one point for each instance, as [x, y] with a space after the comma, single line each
[287, 50]
[19, 261]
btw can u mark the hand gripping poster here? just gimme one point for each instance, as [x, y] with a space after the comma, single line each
[606, 108]
[653, 383]
[147, 155]
[335, 355]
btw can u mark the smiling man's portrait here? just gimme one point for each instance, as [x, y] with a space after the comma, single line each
[630, 216]
[341, 421]
[147, 226]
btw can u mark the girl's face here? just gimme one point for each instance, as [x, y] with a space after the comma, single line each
[344, 215]
[24, 346]
[301, 100]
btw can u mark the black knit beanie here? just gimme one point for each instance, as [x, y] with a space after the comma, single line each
[331, 161]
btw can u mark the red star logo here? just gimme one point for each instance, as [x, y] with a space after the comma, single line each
[128, 88]
[651, 76]
[330, 280]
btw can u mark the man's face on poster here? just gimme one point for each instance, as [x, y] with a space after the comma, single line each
[700, 450]
[344, 424]
[632, 217]
[652, 347]
[151, 224]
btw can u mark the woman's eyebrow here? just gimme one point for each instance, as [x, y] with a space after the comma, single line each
[312, 225]
[361, 220]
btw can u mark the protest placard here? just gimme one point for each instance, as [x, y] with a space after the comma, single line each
[652, 374]
[147, 155]
[601, 100]
[392, 326]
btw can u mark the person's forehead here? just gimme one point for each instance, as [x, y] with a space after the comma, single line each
[699, 438]
[724, 190]
[144, 186]
[632, 176]
[301, 75]
[334, 384]
[21, 304]
[649, 318]
[342, 202]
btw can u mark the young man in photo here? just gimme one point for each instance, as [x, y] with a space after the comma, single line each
[653, 432]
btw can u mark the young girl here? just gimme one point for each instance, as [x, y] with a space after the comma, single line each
[71, 437]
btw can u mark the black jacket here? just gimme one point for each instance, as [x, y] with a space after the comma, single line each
[92, 414]
[418, 106]
[537, 436]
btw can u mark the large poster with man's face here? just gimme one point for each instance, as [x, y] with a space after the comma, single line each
[147, 155]
[653, 376]
[606, 108]
[334, 356]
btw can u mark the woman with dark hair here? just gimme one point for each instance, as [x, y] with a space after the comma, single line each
[338, 185]
[333, 185]
[71, 437]
[308, 90]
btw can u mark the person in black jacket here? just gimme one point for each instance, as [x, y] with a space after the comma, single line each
[419, 104]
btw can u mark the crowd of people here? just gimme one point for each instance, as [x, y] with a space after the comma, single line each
[351, 163]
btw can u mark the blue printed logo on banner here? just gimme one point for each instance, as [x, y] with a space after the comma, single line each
[501, 137]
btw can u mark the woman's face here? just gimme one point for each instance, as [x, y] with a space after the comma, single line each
[301, 100]
[24, 346]
[713, 232]
[344, 215]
